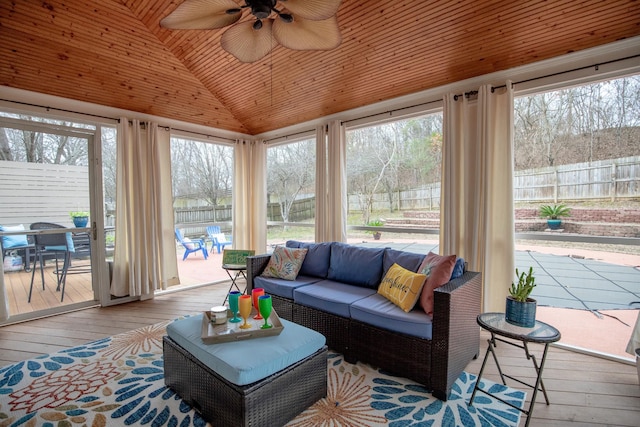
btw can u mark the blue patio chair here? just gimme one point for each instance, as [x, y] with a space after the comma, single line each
[218, 239]
[191, 246]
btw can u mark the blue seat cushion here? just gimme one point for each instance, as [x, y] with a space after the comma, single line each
[69, 246]
[356, 265]
[407, 260]
[16, 240]
[378, 311]
[316, 262]
[282, 287]
[329, 296]
[251, 360]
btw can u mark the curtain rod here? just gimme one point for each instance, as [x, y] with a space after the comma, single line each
[390, 112]
[586, 67]
[59, 109]
[266, 141]
[202, 134]
[109, 118]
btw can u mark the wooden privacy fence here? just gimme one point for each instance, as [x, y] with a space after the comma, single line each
[606, 179]
[33, 192]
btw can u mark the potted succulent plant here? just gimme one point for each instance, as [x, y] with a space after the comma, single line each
[376, 223]
[79, 218]
[520, 308]
[553, 213]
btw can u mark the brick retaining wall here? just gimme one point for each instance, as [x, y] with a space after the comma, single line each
[593, 222]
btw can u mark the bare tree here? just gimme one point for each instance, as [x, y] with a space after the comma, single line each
[291, 172]
[201, 170]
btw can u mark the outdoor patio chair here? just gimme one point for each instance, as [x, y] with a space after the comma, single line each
[47, 246]
[191, 246]
[218, 239]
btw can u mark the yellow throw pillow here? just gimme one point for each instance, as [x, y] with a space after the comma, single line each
[402, 287]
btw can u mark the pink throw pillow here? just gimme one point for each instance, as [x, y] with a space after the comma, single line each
[438, 270]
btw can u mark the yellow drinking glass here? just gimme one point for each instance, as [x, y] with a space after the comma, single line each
[245, 310]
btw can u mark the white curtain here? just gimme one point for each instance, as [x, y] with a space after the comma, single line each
[336, 213]
[321, 226]
[250, 196]
[145, 251]
[476, 211]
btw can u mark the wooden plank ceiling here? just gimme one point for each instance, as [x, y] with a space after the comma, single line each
[114, 53]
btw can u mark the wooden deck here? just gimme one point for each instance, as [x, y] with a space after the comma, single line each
[192, 271]
[584, 390]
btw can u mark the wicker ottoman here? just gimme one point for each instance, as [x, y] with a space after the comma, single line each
[270, 401]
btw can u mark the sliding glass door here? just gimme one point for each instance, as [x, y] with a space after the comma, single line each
[48, 183]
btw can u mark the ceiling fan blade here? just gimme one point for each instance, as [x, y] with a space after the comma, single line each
[304, 34]
[201, 15]
[247, 44]
[315, 10]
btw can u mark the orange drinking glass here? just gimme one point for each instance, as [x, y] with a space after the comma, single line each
[256, 293]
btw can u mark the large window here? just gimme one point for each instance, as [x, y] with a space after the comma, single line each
[580, 148]
[202, 176]
[291, 195]
[393, 173]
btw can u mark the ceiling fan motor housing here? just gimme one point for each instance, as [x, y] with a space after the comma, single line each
[261, 9]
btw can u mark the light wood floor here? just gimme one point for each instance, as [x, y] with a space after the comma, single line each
[584, 390]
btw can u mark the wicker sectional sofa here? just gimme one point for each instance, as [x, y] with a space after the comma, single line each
[335, 294]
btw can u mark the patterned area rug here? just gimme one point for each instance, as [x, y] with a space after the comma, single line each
[118, 381]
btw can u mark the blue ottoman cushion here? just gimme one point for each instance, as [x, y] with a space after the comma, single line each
[251, 360]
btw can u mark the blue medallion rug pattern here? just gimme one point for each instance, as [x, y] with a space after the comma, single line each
[119, 381]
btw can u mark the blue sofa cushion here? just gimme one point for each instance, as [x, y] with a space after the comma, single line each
[356, 265]
[332, 297]
[458, 268]
[316, 263]
[248, 361]
[282, 287]
[378, 311]
[407, 260]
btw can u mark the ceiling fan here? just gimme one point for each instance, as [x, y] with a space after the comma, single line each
[295, 24]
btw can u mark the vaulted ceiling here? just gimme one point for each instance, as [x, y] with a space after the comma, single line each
[114, 53]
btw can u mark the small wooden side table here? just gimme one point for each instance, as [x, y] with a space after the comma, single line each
[541, 333]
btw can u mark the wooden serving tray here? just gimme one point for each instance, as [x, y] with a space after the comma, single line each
[228, 332]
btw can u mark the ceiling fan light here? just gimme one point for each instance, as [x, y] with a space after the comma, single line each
[286, 17]
[257, 25]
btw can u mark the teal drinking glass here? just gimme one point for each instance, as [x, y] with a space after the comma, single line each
[265, 304]
[234, 297]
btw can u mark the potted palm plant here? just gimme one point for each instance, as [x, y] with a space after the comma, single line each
[520, 308]
[79, 218]
[553, 213]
